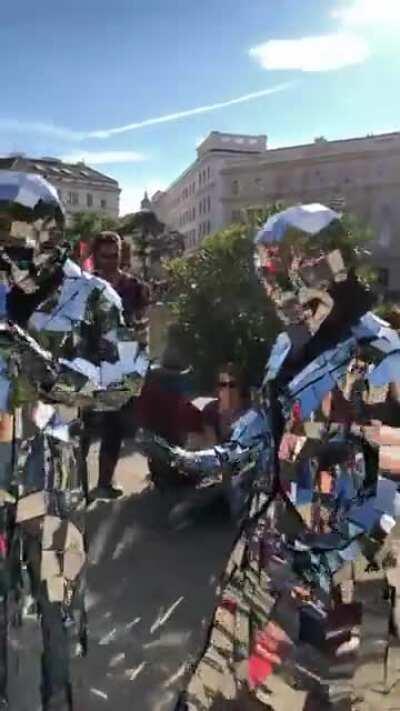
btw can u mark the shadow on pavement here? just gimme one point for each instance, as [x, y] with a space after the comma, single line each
[151, 594]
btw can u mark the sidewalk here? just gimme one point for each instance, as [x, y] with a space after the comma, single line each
[151, 594]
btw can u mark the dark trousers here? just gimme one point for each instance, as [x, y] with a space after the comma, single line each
[111, 427]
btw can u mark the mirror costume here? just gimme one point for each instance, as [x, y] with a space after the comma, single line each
[308, 611]
[63, 347]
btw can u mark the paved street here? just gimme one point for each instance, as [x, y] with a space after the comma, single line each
[151, 592]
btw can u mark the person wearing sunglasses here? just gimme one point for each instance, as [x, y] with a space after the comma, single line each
[232, 400]
[218, 420]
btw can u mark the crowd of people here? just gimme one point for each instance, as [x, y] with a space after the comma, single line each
[166, 404]
[308, 615]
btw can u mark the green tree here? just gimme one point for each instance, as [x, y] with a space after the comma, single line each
[220, 309]
[85, 225]
[153, 243]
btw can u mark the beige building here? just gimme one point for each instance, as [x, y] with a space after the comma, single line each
[193, 204]
[361, 173]
[81, 189]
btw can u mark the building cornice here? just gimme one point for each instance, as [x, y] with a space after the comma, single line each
[308, 160]
[71, 184]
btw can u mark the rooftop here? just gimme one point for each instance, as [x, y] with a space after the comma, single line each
[323, 148]
[56, 169]
[223, 144]
[232, 143]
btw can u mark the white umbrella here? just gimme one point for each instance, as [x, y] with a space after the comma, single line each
[26, 189]
[310, 219]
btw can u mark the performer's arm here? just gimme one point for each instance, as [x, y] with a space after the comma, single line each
[250, 438]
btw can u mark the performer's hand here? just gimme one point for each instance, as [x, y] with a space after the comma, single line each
[271, 646]
[272, 643]
[151, 445]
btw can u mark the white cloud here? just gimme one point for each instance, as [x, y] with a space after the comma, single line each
[321, 53]
[41, 128]
[368, 12]
[132, 194]
[104, 157]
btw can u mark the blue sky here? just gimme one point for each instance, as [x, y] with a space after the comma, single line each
[133, 85]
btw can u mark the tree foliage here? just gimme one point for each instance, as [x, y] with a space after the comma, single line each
[220, 309]
[153, 242]
[85, 225]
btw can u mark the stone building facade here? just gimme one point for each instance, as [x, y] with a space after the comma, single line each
[193, 204]
[360, 174]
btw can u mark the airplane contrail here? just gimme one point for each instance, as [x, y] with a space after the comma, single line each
[166, 118]
[67, 134]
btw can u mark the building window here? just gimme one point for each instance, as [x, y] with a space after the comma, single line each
[73, 198]
[200, 179]
[383, 277]
[200, 207]
[103, 203]
[208, 173]
[89, 200]
[235, 215]
[208, 227]
[235, 187]
[385, 227]
[208, 203]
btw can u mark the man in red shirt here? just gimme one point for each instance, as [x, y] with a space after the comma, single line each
[115, 424]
